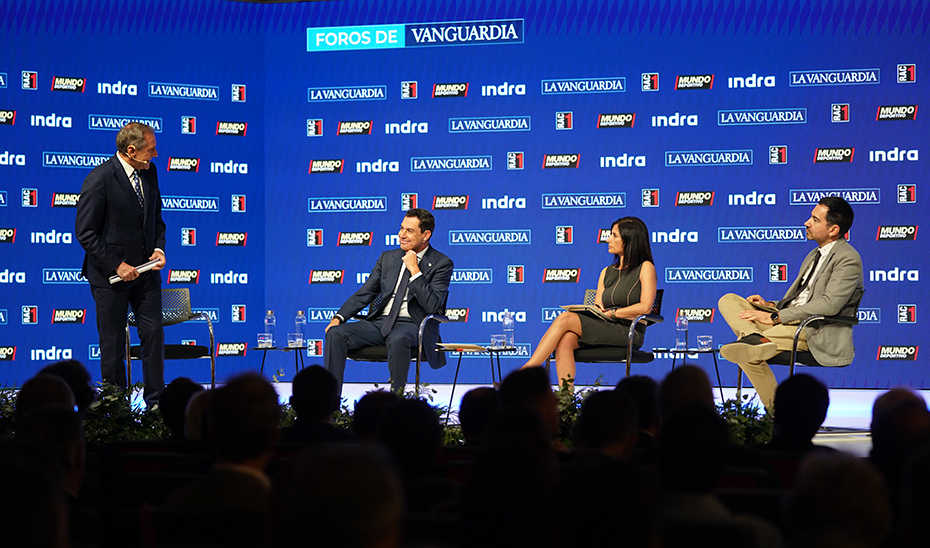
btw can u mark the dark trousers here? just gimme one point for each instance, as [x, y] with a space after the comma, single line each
[350, 336]
[112, 305]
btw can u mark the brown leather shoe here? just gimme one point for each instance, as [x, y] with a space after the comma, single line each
[751, 348]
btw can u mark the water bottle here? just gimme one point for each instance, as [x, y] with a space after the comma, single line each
[508, 328]
[269, 325]
[681, 331]
[300, 324]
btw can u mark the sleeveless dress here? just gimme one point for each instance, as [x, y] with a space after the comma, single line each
[621, 289]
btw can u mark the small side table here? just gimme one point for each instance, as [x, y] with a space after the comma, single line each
[461, 348]
[298, 356]
[712, 351]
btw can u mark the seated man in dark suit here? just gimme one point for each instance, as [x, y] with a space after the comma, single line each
[413, 282]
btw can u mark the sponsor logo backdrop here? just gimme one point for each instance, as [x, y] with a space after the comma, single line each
[501, 118]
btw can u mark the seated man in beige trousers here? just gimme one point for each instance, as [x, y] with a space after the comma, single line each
[828, 282]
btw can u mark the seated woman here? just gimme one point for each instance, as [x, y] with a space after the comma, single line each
[625, 289]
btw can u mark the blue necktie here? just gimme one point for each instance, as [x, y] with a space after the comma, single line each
[137, 186]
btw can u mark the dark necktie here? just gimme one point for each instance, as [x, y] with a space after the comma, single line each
[395, 306]
[137, 186]
[810, 274]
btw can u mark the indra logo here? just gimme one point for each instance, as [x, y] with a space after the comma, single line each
[778, 272]
[471, 276]
[117, 88]
[238, 313]
[563, 234]
[355, 128]
[232, 238]
[229, 167]
[237, 203]
[561, 275]
[326, 276]
[675, 120]
[408, 90]
[188, 125]
[700, 315]
[894, 155]
[65, 199]
[907, 313]
[67, 83]
[751, 81]
[184, 164]
[50, 354]
[7, 117]
[229, 277]
[7, 235]
[895, 275]
[68, 315]
[907, 194]
[450, 90]
[183, 276]
[896, 112]
[30, 314]
[314, 127]
[696, 81]
[676, 236]
[407, 127]
[12, 159]
[650, 197]
[189, 237]
[907, 74]
[30, 79]
[515, 273]
[458, 315]
[561, 161]
[326, 166]
[231, 349]
[624, 160]
[236, 129]
[52, 120]
[894, 233]
[752, 199]
[51, 237]
[489, 316]
[901, 353]
[355, 238]
[778, 154]
[237, 93]
[839, 113]
[515, 160]
[621, 120]
[563, 120]
[7, 277]
[503, 90]
[650, 81]
[502, 203]
[408, 201]
[314, 237]
[378, 166]
[694, 198]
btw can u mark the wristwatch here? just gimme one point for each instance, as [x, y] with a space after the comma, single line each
[775, 319]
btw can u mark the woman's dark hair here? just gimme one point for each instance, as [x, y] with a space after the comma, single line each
[635, 237]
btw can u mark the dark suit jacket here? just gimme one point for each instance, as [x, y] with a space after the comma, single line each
[427, 294]
[835, 290]
[111, 225]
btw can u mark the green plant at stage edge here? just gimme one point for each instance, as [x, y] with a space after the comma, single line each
[750, 425]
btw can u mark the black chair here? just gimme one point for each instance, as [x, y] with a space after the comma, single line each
[379, 353]
[175, 308]
[794, 357]
[618, 354]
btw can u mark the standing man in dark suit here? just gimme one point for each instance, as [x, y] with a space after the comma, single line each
[120, 227]
[829, 282]
[413, 283]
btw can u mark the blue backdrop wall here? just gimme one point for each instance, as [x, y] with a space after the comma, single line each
[293, 136]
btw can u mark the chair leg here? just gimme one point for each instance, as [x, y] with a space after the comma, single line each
[455, 380]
